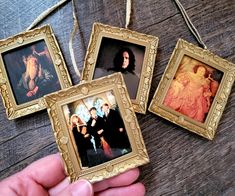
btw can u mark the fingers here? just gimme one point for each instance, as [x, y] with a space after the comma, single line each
[124, 179]
[80, 187]
[47, 171]
[59, 187]
[137, 189]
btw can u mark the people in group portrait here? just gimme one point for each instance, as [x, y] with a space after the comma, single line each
[101, 138]
[115, 131]
[193, 89]
[82, 138]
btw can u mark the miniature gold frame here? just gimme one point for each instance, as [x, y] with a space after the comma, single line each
[58, 105]
[31, 66]
[105, 42]
[211, 94]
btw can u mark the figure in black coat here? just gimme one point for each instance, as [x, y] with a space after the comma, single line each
[95, 127]
[114, 129]
[82, 138]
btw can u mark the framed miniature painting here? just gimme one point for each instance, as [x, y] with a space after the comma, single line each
[194, 89]
[31, 66]
[112, 50]
[96, 129]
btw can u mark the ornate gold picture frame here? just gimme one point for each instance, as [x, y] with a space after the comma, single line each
[113, 49]
[31, 66]
[96, 129]
[194, 89]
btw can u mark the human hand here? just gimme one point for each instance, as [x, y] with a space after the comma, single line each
[93, 122]
[47, 177]
[84, 130]
[87, 135]
[100, 131]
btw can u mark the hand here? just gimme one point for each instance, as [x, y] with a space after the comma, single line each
[84, 130]
[86, 135]
[47, 176]
[93, 122]
[100, 131]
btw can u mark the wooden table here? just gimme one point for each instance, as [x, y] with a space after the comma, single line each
[182, 163]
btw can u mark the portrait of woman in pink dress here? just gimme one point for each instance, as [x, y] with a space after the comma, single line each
[192, 90]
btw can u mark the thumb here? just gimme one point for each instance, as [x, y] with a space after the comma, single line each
[78, 188]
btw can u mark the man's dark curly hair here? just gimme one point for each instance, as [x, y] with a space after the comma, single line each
[92, 108]
[118, 61]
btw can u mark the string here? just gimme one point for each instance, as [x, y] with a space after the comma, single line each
[128, 13]
[189, 23]
[44, 14]
[71, 50]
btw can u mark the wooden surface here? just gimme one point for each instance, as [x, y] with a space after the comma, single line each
[182, 163]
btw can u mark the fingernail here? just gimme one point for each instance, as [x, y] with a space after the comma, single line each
[83, 188]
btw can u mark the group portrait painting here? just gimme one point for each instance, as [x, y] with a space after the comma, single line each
[97, 129]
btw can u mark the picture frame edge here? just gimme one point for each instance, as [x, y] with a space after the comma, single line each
[138, 155]
[87, 73]
[14, 111]
[209, 131]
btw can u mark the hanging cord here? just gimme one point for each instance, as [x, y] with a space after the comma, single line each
[44, 14]
[189, 23]
[128, 13]
[71, 50]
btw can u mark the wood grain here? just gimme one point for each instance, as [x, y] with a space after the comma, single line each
[182, 163]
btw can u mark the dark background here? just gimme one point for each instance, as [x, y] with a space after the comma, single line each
[15, 67]
[109, 48]
[182, 163]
